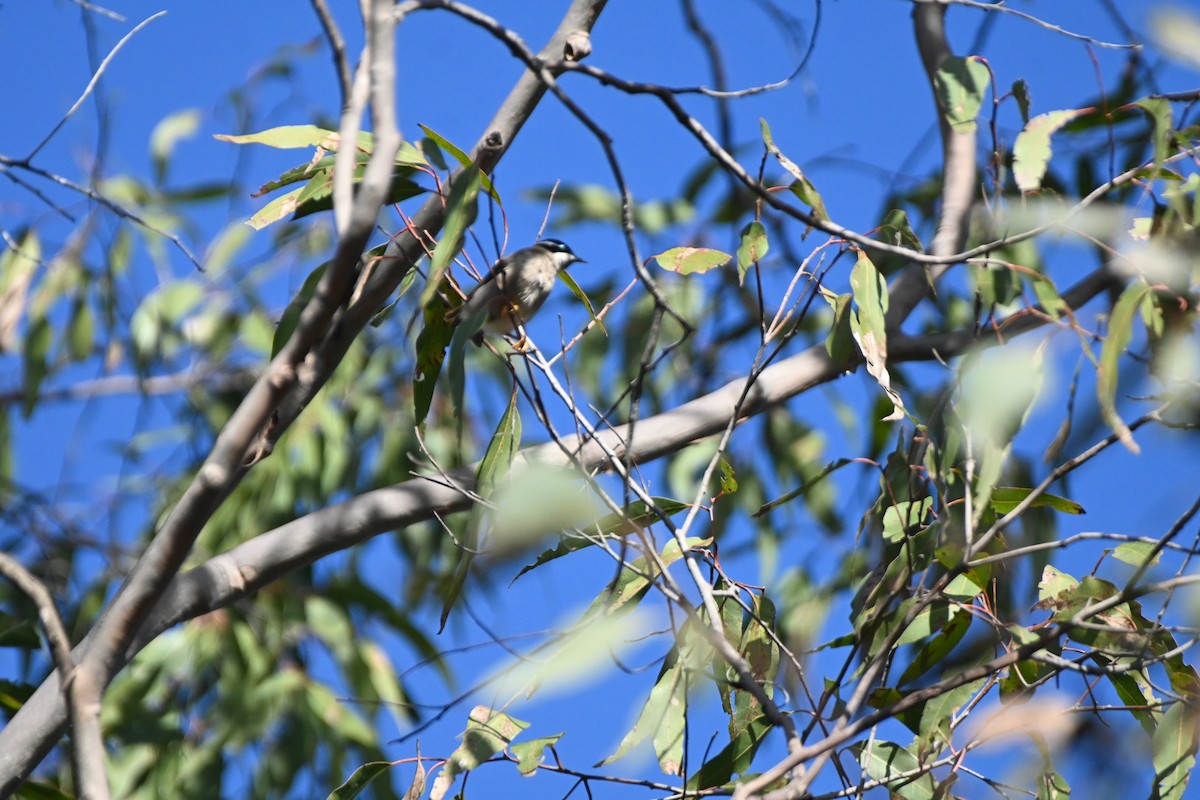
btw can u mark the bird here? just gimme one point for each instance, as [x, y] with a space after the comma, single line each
[515, 289]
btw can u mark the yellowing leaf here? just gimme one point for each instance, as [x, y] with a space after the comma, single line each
[1031, 151]
[686, 260]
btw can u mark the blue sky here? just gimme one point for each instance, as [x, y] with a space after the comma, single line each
[857, 119]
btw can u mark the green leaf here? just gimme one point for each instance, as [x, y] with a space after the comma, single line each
[801, 187]
[1174, 745]
[1120, 331]
[1138, 553]
[506, 441]
[1047, 294]
[1006, 498]
[884, 761]
[734, 758]
[839, 342]
[286, 137]
[869, 326]
[530, 754]
[488, 733]
[582, 297]
[961, 84]
[936, 649]
[464, 161]
[359, 780]
[1159, 109]
[895, 229]
[275, 210]
[753, 247]
[686, 260]
[1031, 150]
[461, 209]
[38, 339]
[1020, 92]
[636, 516]
[171, 130]
[904, 517]
[291, 314]
[1052, 786]
[431, 353]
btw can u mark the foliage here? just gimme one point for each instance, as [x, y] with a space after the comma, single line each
[782, 598]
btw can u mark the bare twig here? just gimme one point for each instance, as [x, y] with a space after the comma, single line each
[337, 48]
[79, 691]
[91, 85]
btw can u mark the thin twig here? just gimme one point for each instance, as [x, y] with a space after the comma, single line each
[91, 85]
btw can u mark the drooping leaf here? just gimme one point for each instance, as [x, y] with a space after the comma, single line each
[868, 325]
[753, 247]
[1174, 744]
[802, 187]
[581, 295]
[1159, 109]
[461, 208]
[1020, 92]
[492, 468]
[1120, 331]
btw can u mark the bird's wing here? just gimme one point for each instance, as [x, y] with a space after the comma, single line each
[482, 295]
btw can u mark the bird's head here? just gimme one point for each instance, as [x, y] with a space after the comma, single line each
[560, 252]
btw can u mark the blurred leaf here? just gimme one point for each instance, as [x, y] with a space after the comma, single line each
[1020, 91]
[1138, 553]
[934, 652]
[896, 229]
[961, 84]
[530, 754]
[171, 130]
[1031, 150]
[686, 260]
[17, 268]
[1006, 498]
[1176, 30]
[291, 314]
[1120, 331]
[38, 339]
[359, 780]
[1159, 109]
[1052, 786]
[635, 517]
